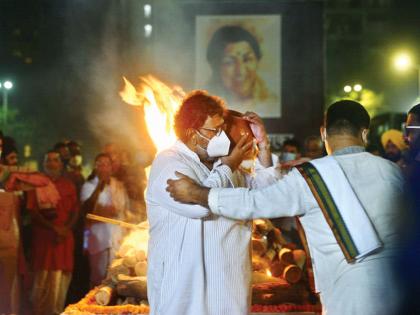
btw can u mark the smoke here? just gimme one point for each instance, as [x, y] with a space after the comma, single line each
[105, 41]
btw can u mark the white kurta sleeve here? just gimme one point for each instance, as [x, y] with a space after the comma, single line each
[289, 196]
[220, 176]
[264, 176]
[87, 189]
[162, 197]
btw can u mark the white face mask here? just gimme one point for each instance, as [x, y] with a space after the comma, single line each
[288, 156]
[218, 145]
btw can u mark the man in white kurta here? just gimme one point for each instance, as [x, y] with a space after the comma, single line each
[197, 264]
[103, 238]
[367, 287]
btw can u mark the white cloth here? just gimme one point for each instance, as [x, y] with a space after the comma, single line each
[366, 287]
[105, 235]
[354, 216]
[197, 264]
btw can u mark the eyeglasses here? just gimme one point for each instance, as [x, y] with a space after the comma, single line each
[217, 131]
[406, 129]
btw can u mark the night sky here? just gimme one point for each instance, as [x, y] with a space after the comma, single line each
[56, 54]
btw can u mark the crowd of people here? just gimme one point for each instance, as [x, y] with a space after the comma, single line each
[200, 235]
[37, 272]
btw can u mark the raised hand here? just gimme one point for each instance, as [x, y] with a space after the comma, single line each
[234, 159]
[257, 126]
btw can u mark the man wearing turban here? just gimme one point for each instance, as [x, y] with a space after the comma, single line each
[394, 145]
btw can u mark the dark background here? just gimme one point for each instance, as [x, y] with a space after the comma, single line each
[66, 59]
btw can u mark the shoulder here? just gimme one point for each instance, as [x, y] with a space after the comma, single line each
[374, 165]
[384, 164]
[170, 158]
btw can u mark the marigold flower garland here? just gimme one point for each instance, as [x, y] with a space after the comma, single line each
[88, 306]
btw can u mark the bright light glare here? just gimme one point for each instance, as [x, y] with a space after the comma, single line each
[147, 10]
[0, 85]
[357, 87]
[347, 89]
[148, 30]
[402, 62]
[8, 85]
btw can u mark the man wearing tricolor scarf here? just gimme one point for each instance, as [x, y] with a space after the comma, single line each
[349, 204]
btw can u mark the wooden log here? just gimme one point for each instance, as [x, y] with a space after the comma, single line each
[135, 287]
[286, 256]
[141, 269]
[259, 263]
[292, 274]
[140, 255]
[262, 277]
[259, 246]
[130, 261]
[104, 295]
[299, 257]
[117, 268]
[276, 269]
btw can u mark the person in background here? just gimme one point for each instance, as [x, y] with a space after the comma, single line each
[394, 146]
[114, 152]
[291, 150]
[9, 155]
[408, 263]
[73, 170]
[313, 147]
[52, 240]
[127, 170]
[373, 149]
[102, 194]
[63, 150]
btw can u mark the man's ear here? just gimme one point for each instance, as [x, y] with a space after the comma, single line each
[365, 133]
[191, 135]
[323, 132]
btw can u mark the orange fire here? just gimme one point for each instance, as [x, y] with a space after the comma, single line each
[268, 272]
[160, 103]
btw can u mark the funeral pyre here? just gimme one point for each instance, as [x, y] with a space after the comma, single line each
[280, 282]
[126, 281]
[124, 290]
[281, 273]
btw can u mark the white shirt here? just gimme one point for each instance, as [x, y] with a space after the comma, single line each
[367, 287]
[105, 235]
[198, 264]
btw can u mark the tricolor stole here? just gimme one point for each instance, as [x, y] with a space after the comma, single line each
[330, 210]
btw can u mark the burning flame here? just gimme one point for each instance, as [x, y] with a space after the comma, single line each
[160, 103]
[268, 272]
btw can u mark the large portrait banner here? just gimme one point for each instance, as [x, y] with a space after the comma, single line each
[238, 57]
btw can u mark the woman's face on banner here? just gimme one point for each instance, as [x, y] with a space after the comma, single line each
[239, 69]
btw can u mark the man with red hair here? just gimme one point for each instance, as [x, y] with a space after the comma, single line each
[200, 263]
